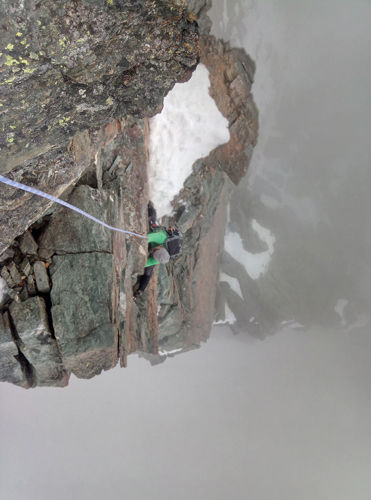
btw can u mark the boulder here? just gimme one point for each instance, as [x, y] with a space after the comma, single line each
[41, 277]
[70, 232]
[10, 366]
[28, 244]
[36, 343]
[81, 312]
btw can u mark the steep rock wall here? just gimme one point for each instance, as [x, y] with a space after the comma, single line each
[70, 66]
[79, 274]
[187, 287]
[77, 277]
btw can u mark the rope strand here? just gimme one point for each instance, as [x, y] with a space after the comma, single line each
[50, 197]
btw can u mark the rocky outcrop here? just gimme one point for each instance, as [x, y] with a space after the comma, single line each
[70, 279]
[68, 66]
[198, 10]
[187, 288]
[12, 368]
[87, 311]
[231, 77]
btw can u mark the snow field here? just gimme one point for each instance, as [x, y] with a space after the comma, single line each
[188, 128]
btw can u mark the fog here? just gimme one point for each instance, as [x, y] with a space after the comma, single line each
[310, 176]
[287, 418]
[269, 413]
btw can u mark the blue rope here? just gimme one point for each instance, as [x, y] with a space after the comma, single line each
[50, 197]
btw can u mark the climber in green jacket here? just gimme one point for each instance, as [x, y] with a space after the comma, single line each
[162, 245]
[157, 252]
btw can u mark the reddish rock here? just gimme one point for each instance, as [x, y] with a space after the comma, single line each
[231, 77]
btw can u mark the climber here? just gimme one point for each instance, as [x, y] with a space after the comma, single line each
[163, 244]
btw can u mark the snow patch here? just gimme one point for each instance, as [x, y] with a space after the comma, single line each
[4, 291]
[188, 128]
[229, 317]
[292, 323]
[166, 353]
[296, 325]
[233, 282]
[256, 264]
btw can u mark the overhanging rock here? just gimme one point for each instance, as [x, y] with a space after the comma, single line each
[67, 69]
[66, 66]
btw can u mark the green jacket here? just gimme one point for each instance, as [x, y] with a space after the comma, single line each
[155, 239]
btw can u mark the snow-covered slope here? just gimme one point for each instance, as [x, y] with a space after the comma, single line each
[189, 127]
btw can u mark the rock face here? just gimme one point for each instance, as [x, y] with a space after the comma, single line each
[70, 66]
[88, 312]
[12, 369]
[187, 289]
[68, 306]
[35, 341]
[73, 64]
[231, 77]
[198, 10]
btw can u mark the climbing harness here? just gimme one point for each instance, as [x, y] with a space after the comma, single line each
[50, 197]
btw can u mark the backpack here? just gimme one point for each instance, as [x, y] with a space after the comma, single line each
[174, 242]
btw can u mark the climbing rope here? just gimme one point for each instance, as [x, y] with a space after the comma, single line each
[50, 197]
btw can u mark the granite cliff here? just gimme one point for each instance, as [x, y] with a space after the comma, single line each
[75, 124]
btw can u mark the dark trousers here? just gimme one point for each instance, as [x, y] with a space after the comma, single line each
[145, 278]
[148, 271]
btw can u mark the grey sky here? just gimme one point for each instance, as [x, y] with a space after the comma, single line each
[288, 418]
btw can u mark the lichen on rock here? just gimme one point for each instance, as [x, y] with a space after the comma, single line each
[66, 66]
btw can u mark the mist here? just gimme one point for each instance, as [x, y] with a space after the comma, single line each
[273, 408]
[309, 179]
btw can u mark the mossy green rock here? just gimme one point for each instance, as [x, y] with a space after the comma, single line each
[37, 344]
[70, 232]
[11, 370]
[82, 311]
